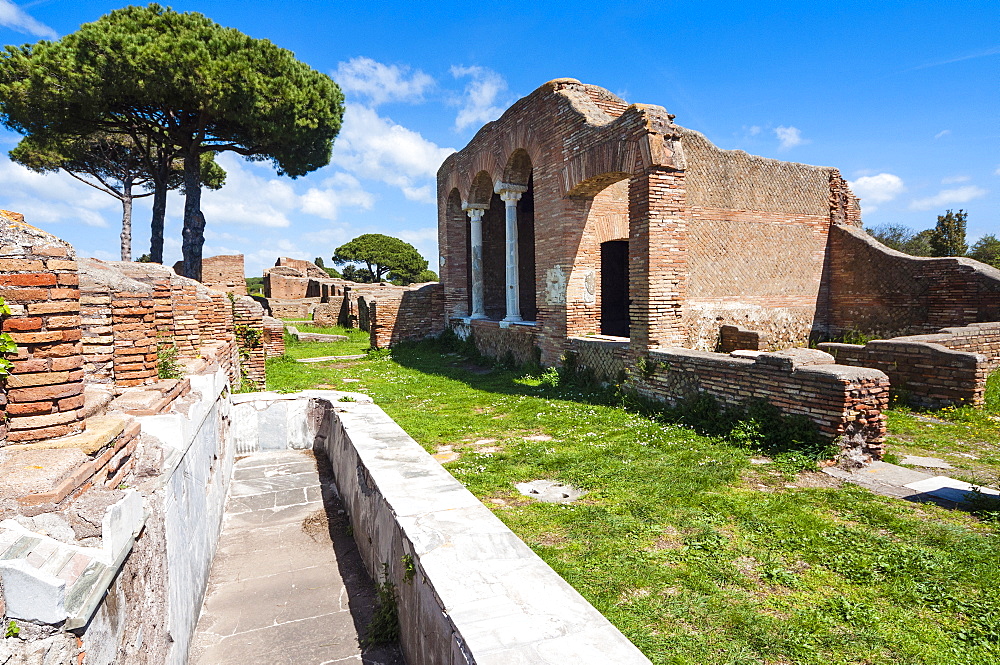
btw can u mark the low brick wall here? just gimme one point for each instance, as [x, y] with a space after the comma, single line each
[733, 338]
[410, 315]
[846, 403]
[941, 369]
[606, 358]
[495, 339]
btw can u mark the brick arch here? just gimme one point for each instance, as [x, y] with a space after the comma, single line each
[455, 270]
[518, 169]
[481, 189]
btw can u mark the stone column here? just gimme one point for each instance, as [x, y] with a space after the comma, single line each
[475, 211]
[511, 194]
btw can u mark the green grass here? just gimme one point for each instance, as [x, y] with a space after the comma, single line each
[357, 342]
[966, 438]
[696, 554]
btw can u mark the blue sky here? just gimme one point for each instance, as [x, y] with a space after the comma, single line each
[902, 97]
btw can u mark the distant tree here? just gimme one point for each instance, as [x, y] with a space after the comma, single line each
[106, 162]
[893, 236]
[115, 165]
[948, 235]
[182, 81]
[987, 250]
[333, 272]
[902, 239]
[145, 258]
[318, 261]
[920, 244]
[426, 276]
[382, 255]
[355, 274]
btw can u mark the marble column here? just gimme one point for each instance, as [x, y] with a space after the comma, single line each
[511, 194]
[475, 212]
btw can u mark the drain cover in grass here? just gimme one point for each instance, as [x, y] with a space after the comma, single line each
[550, 491]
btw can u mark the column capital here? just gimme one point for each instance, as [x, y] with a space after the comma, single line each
[509, 192]
[474, 210]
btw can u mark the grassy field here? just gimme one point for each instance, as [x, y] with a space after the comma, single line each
[696, 547]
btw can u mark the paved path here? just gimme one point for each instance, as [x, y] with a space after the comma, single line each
[287, 585]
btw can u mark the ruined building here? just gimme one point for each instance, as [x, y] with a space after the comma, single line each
[577, 223]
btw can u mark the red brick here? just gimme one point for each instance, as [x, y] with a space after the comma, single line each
[70, 362]
[29, 408]
[43, 433]
[43, 393]
[23, 324]
[28, 279]
[36, 337]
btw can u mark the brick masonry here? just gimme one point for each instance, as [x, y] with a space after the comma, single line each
[716, 237]
[39, 279]
[409, 315]
[948, 367]
[845, 403]
[86, 322]
[878, 290]
[225, 273]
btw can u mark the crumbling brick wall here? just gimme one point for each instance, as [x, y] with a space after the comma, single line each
[40, 282]
[941, 369]
[877, 290]
[224, 273]
[411, 315]
[845, 403]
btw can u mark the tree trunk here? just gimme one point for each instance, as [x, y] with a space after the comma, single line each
[159, 213]
[127, 220]
[194, 221]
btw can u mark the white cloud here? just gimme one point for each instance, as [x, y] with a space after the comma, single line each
[54, 198]
[14, 17]
[374, 147]
[381, 83]
[877, 189]
[479, 102]
[338, 191]
[249, 198]
[425, 240]
[949, 197]
[753, 130]
[954, 179]
[789, 136]
[997, 172]
[942, 133]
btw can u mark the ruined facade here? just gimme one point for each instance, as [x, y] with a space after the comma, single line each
[577, 223]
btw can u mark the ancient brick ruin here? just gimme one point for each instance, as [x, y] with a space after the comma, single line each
[302, 290]
[577, 223]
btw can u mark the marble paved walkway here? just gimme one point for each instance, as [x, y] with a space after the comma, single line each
[287, 585]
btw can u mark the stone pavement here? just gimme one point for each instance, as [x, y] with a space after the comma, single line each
[287, 584]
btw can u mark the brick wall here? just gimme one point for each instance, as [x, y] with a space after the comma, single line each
[936, 370]
[732, 338]
[248, 319]
[119, 326]
[274, 337]
[501, 341]
[285, 284]
[40, 282]
[877, 290]
[716, 237]
[224, 273]
[846, 403]
[607, 359]
[410, 315]
[306, 268]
